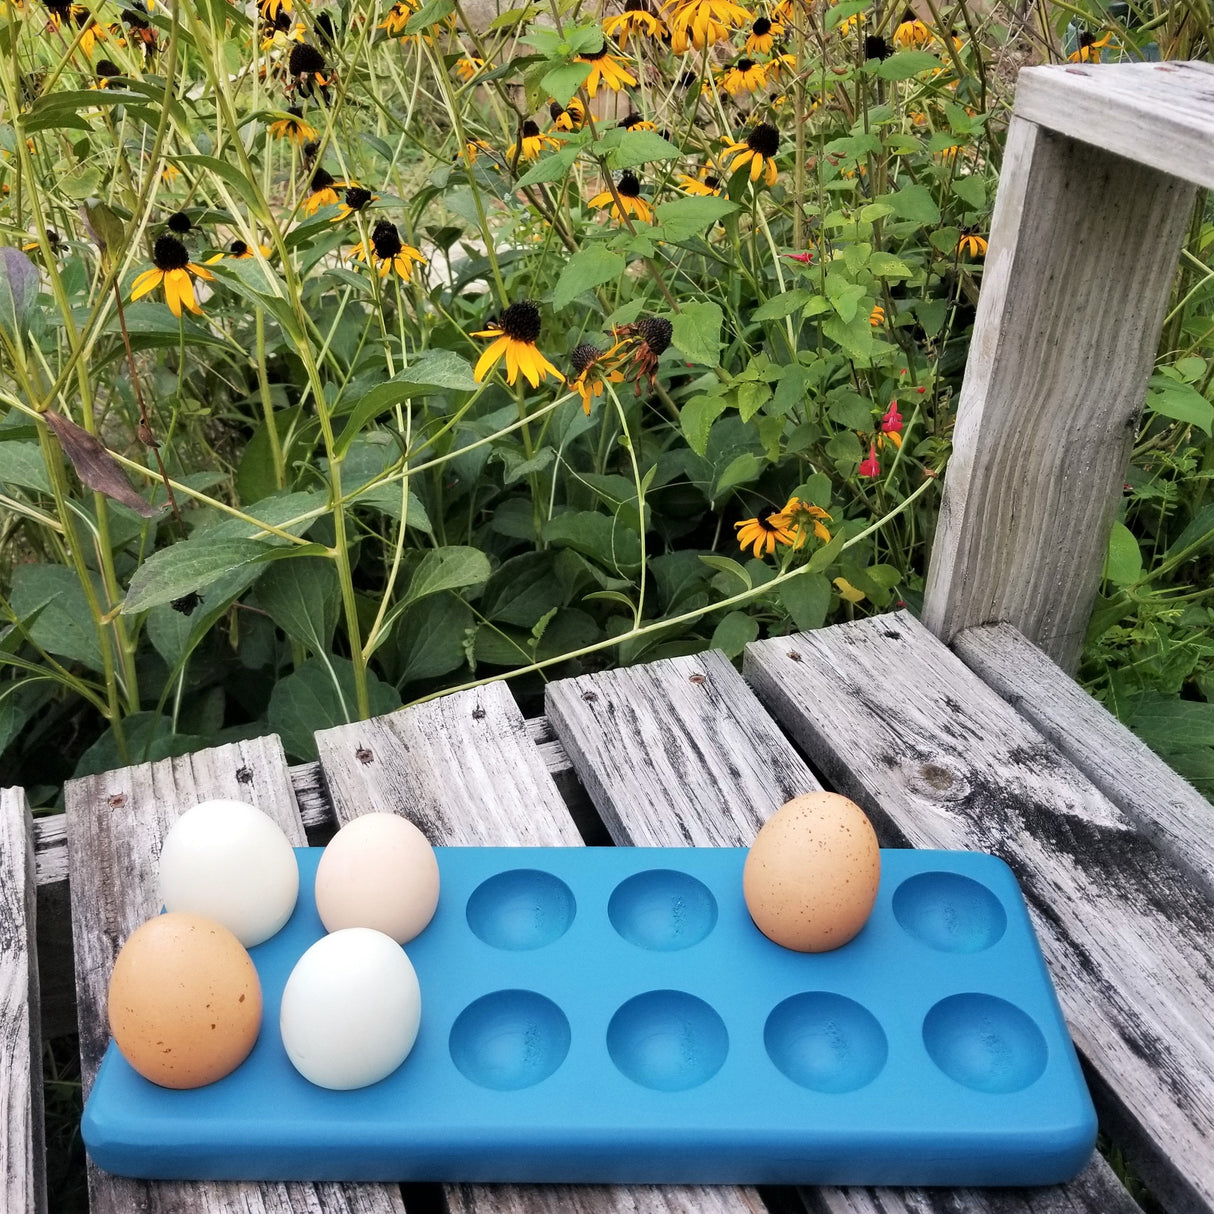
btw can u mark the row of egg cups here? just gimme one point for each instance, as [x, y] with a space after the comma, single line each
[184, 1000]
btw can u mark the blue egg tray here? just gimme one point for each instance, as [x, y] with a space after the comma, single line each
[613, 1015]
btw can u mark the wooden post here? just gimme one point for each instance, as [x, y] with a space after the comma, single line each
[1095, 193]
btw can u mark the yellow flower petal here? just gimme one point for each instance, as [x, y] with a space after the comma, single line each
[490, 357]
[149, 280]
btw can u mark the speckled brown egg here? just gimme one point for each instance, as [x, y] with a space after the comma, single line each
[184, 1001]
[811, 875]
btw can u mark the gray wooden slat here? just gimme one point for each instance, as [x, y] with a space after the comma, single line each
[1054, 384]
[1162, 805]
[465, 770]
[900, 725]
[115, 823]
[22, 1141]
[1161, 114]
[681, 752]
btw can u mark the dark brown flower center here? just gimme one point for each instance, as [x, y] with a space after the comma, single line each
[386, 239]
[585, 356]
[322, 179]
[530, 130]
[107, 67]
[712, 182]
[521, 322]
[594, 54]
[1087, 39]
[764, 139]
[761, 27]
[764, 517]
[168, 253]
[238, 248]
[636, 6]
[179, 222]
[357, 197]
[875, 47]
[629, 185]
[305, 59]
[656, 332]
[744, 65]
[631, 120]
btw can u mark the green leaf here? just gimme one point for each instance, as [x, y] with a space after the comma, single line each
[148, 736]
[806, 598]
[697, 331]
[428, 638]
[229, 174]
[430, 13]
[587, 268]
[19, 701]
[782, 305]
[725, 564]
[64, 624]
[825, 556]
[302, 596]
[21, 464]
[1123, 562]
[743, 470]
[1181, 402]
[1198, 534]
[915, 202]
[319, 695]
[902, 65]
[565, 80]
[886, 265]
[854, 338]
[971, 191]
[850, 410]
[752, 397]
[601, 537]
[835, 16]
[189, 566]
[641, 147]
[683, 218]
[451, 568]
[523, 590]
[550, 168]
[734, 633]
[1170, 723]
[440, 369]
[845, 297]
[696, 418]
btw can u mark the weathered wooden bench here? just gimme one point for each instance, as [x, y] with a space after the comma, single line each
[959, 734]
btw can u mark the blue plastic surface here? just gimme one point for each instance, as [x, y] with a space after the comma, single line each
[612, 1014]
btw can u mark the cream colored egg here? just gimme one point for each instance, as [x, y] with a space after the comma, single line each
[811, 875]
[378, 871]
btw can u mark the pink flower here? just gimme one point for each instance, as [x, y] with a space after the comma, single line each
[870, 467]
[891, 423]
[803, 258]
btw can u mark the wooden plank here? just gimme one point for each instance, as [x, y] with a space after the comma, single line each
[1083, 250]
[900, 725]
[116, 822]
[1158, 114]
[464, 768]
[681, 752]
[1162, 805]
[22, 1141]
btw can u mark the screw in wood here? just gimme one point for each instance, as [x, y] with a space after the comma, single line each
[363, 755]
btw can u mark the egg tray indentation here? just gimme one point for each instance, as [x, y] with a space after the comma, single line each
[613, 1015]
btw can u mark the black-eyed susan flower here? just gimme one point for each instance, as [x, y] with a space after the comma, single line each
[637, 18]
[592, 368]
[645, 340]
[269, 10]
[385, 250]
[356, 199]
[701, 23]
[626, 200]
[238, 250]
[606, 69]
[293, 127]
[971, 243]
[763, 532]
[743, 76]
[306, 67]
[763, 35]
[702, 186]
[171, 269]
[875, 47]
[106, 70]
[398, 17]
[805, 518]
[570, 117]
[1089, 48]
[634, 122]
[179, 223]
[757, 150]
[91, 35]
[782, 66]
[531, 143]
[322, 192]
[281, 32]
[514, 337]
[477, 147]
[467, 67]
[876, 317]
[785, 12]
[911, 32]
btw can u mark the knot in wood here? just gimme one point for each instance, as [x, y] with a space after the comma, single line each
[363, 755]
[116, 800]
[794, 655]
[591, 697]
[936, 776]
[478, 713]
[244, 775]
[697, 679]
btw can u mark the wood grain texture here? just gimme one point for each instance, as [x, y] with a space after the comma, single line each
[465, 769]
[1083, 249]
[22, 1145]
[681, 752]
[901, 726]
[1159, 114]
[115, 824]
[1167, 809]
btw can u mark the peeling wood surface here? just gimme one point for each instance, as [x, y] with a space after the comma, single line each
[22, 1146]
[901, 726]
[1167, 809]
[1160, 114]
[679, 753]
[115, 824]
[466, 770]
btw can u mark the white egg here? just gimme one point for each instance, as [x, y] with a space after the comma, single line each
[378, 871]
[229, 861]
[350, 1009]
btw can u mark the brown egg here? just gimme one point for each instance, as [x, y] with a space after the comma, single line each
[184, 1001]
[811, 875]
